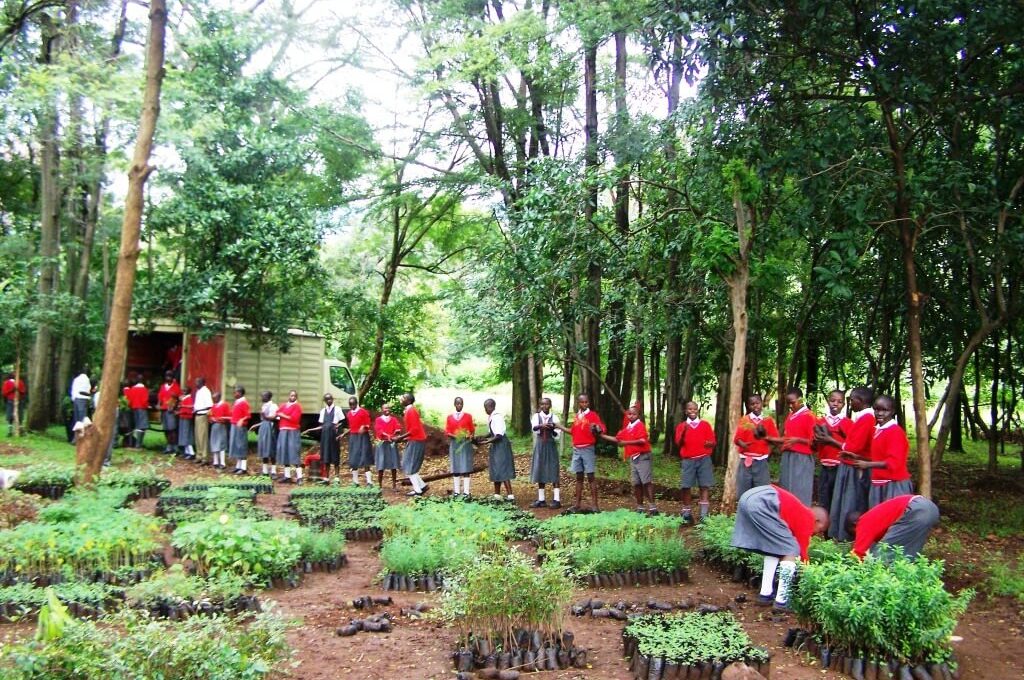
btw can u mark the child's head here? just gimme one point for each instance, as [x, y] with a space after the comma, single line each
[794, 398]
[755, 404]
[885, 409]
[239, 391]
[545, 405]
[633, 413]
[186, 390]
[168, 377]
[861, 398]
[353, 402]
[583, 401]
[385, 409]
[458, 404]
[328, 398]
[217, 396]
[408, 399]
[692, 410]
[266, 396]
[489, 406]
[293, 396]
[836, 401]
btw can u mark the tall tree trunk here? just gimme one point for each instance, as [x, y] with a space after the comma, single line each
[721, 453]
[657, 407]
[519, 418]
[91, 448]
[591, 324]
[993, 408]
[639, 370]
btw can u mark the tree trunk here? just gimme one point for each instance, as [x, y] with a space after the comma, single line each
[721, 453]
[521, 410]
[91, 448]
[993, 408]
[591, 324]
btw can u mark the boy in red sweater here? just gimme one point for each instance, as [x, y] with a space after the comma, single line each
[637, 450]
[904, 521]
[696, 440]
[754, 452]
[584, 432]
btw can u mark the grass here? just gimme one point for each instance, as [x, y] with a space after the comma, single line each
[52, 446]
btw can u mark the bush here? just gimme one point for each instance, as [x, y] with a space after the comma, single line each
[580, 530]
[175, 586]
[882, 611]
[351, 507]
[258, 551]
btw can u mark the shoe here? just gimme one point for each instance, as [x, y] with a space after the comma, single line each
[764, 600]
[640, 509]
[538, 504]
[555, 504]
[652, 511]
[424, 489]
[298, 482]
[413, 493]
[779, 608]
[687, 517]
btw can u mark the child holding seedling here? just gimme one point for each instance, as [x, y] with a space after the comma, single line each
[544, 466]
[584, 432]
[460, 430]
[833, 426]
[289, 418]
[696, 440]
[637, 450]
[904, 521]
[239, 443]
[360, 453]
[416, 436]
[500, 462]
[220, 419]
[186, 420]
[797, 471]
[889, 450]
[386, 455]
[754, 450]
[850, 491]
[773, 522]
[266, 437]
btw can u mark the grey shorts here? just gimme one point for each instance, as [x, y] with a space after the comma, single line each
[584, 459]
[698, 472]
[640, 469]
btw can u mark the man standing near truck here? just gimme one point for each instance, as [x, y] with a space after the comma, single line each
[201, 410]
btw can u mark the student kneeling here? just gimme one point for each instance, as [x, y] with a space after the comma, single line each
[904, 521]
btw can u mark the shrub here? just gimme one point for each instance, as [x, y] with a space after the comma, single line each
[352, 507]
[258, 551]
[175, 586]
[692, 638]
[43, 476]
[883, 611]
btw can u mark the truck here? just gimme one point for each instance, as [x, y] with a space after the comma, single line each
[229, 358]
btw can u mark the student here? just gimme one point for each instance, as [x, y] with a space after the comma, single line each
[416, 436]
[904, 521]
[186, 418]
[625, 414]
[169, 389]
[266, 437]
[220, 419]
[13, 391]
[544, 465]
[330, 454]
[460, 429]
[696, 440]
[385, 427]
[81, 394]
[835, 425]
[797, 472]
[754, 451]
[360, 453]
[889, 450]
[239, 443]
[289, 419]
[850, 492]
[584, 431]
[500, 463]
[201, 409]
[138, 401]
[773, 522]
[637, 450]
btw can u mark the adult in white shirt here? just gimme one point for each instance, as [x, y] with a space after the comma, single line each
[201, 408]
[81, 393]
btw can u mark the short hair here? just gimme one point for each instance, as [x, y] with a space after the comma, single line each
[240, 389]
[864, 393]
[795, 392]
[409, 396]
[842, 392]
[887, 399]
[489, 402]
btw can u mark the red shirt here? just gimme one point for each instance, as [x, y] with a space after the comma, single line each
[800, 424]
[240, 412]
[461, 426]
[9, 389]
[164, 394]
[185, 407]
[890, 445]
[138, 396]
[858, 439]
[798, 517]
[691, 439]
[221, 412]
[358, 418]
[745, 433]
[580, 430]
[385, 430]
[875, 522]
[413, 425]
[838, 429]
[634, 431]
[290, 413]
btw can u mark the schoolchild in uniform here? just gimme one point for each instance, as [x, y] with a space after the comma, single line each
[904, 521]
[460, 429]
[220, 421]
[416, 436]
[696, 440]
[754, 451]
[889, 450]
[169, 390]
[835, 425]
[797, 471]
[289, 419]
[266, 434]
[584, 432]
[330, 454]
[637, 451]
[238, 445]
[186, 421]
[544, 467]
[385, 427]
[360, 453]
[138, 401]
[500, 463]
[850, 491]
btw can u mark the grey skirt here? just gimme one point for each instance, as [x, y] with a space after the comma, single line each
[460, 456]
[169, 421]
[912, 529]
[185, 432]
[500, 463]
[140, 418]
[360, 455]
[386, 456]
[880, 493]
[218, 437]
[266, 441]
[412, 457]
[544, 466]
[239, 446]
[288, 447]
[847, 496]
[759, 527]
[796, 475]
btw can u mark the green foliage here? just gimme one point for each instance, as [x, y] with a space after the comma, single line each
[46, 474]
[258, 551]
[175, 586]
[352, 507]
[580, 530]
[22, 599]
[899, 610]
[1005, 579]
[715, 533]
[610, 555]
[691, 638]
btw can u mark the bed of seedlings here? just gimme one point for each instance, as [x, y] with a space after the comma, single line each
[258, 484]
[352, 510]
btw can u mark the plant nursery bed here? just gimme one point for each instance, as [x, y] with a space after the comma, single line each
[638, 577]
[860, 668]
[168, 608]
[257, 484]
[530, 651]
[413, 583]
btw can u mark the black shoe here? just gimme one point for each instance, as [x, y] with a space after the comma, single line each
[555, 504]
[424, 489]
[538, 504]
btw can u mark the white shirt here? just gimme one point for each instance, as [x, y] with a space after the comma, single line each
[538, 419]
[203, 401]
[496, 422]
[833, 420]
[268, 410]
[857, 415]
[338, 415]
[81, 387]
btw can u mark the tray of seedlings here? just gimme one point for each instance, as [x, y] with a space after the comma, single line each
[690, 646]
[352, 510]
[258, 483]
[48, 480]
[145, 482]
[22, 601]
[510, 616]
[174, 595]
[180, 506]
[877, 619]
[620, 548]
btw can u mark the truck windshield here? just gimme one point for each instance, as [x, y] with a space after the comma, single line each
[342, 379]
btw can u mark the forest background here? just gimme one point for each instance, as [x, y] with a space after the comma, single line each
[652, 200]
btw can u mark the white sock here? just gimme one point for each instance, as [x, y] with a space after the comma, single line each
[298, 473]
[287, 473]
[498, 496]
[540, 495]
[458, 485]
[369, 478]
[510, 497]
[355, 477]
[273, 469]
[465, 485]
[189, 451]
[771, 563]
[786, 571]
[417, 483]
[243, 464]
[265, 468]
[557, 493]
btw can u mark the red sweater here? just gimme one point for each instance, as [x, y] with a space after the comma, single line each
[385, 430]
[221, 412]
[745, 433]
[10, 389]
[461, 426]
[858, 438]
[358, 418]
[185, 407]
[692, 439]
[138, 396]
[890, 445]
[414, 426]
[838, 428]
[580, 430]
[875, 522]
[800, 424]
[633, 432]
[240, 412]
[289, 415]
[798, 517]
[164, 394]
